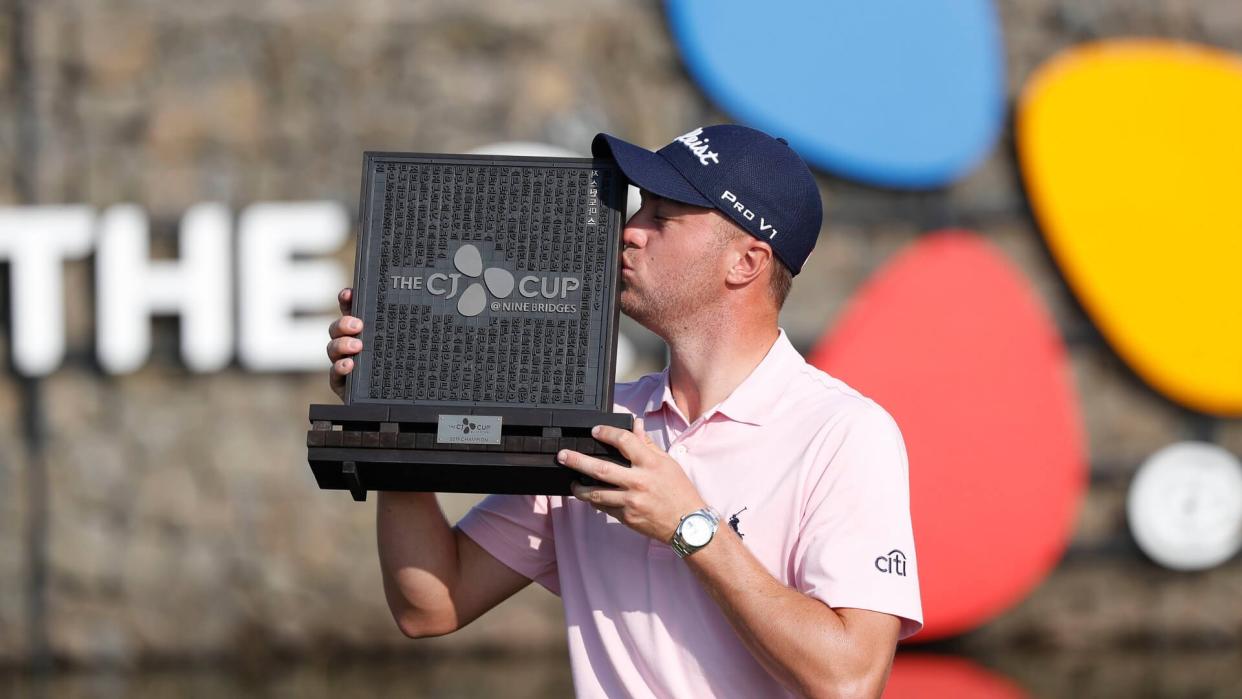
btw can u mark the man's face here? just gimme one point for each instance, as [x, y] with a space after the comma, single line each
[672, 263]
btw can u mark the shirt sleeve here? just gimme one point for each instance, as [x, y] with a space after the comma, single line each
[855, 545]
[517, 530]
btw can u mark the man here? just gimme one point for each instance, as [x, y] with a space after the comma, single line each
[760, 544]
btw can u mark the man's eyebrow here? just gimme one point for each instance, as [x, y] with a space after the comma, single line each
[668, 208]
[672, 207]
[660, 203]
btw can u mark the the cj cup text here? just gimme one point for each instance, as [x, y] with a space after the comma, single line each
[258, 286]
[447, 284]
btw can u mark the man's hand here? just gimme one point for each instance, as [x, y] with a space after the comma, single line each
[344, 345]
[650, 497]
[811, 648]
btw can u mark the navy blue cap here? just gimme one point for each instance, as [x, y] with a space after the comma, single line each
[754, 179]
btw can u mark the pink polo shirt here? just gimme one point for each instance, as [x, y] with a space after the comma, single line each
[811, 473]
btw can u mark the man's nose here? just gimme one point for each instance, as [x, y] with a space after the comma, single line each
[633, 235]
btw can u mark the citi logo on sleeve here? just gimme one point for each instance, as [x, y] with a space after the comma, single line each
[699, 146]
[893, 562]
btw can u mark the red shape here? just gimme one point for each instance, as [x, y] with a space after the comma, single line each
[919, 676]
[950, 339]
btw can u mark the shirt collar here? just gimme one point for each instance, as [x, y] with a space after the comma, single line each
[753, 400]
[660, 394]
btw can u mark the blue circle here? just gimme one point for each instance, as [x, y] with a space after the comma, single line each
[897, 94]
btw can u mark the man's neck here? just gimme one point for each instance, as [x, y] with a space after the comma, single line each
[705, 367]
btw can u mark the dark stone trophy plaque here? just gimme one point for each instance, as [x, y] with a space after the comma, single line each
[487, 286]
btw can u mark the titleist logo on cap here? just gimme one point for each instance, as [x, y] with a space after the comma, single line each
[699, 147]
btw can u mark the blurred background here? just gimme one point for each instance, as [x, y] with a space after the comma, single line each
[1029, 256]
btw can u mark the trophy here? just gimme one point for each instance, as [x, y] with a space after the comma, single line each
[487, 286]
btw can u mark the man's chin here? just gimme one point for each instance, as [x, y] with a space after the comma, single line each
[640, 313]
[627, 306]
[634, 308]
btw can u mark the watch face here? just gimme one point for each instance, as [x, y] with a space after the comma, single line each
[696, 530]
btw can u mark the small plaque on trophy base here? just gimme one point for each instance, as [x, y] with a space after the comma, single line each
[487, 286]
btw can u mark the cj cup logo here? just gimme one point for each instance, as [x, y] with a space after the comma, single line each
[893, 562]
[500, 283]
[466, 426]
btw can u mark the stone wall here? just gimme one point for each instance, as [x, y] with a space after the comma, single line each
[183, 522]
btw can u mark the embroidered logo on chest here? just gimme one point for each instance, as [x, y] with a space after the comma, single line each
[735, 521]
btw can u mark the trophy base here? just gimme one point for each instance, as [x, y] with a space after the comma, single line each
[367, 447]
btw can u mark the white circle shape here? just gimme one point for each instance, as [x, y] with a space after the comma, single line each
[696, 530]
[1184, 506]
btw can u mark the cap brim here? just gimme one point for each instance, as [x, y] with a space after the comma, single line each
[647, 170]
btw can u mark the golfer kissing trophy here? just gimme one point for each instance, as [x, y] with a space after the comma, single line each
[487, 287]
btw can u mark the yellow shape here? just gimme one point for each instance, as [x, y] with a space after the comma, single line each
[1131, 152]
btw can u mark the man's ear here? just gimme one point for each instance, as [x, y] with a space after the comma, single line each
[752, 257]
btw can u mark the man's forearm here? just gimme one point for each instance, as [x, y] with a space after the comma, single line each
[418, 561]
[805, 644]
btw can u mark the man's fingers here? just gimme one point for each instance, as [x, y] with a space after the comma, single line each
[641, 432]
[340, 369]
[343, 347]
[600, 470]
[343, 326]
[610, 500]
[629, 444]
[337, 374]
